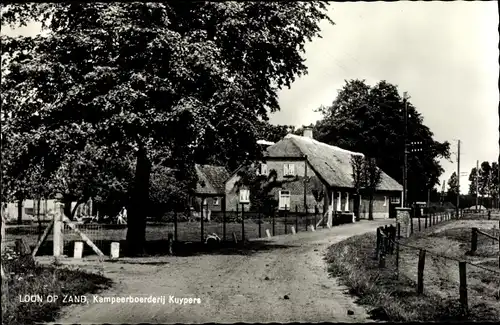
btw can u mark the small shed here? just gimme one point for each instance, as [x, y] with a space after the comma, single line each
[209, 194]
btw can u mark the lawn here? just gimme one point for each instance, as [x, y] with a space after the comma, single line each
[28, 278]
[394, 298]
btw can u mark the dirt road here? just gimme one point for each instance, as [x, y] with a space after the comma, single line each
[232, 288]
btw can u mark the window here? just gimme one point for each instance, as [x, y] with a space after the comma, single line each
[339, 202]
[395, 200]
[346, 208]
[216, 201]
[284, 200]
[385, 201]
[288, 170]
[263, 169]
[244, 196]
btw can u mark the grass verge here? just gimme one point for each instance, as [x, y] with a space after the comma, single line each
[28, 278]
[392, 296]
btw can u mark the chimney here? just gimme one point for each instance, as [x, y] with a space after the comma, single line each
[308, 132]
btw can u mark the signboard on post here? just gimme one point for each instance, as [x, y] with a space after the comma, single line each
[244, 196]
[244, 199]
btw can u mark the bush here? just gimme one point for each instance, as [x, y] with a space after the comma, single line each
[28, 278]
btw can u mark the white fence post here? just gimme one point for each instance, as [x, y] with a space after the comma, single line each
[115, 250]
[78, 250]
[58, 242]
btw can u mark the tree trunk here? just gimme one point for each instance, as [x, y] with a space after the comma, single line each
[67, 207]
[78, 203]
[4, 219]
[19, 212]
[138, 205]
[40, 230]
[370, 208]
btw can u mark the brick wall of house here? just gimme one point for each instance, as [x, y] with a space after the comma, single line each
[296, 199]
[381, 203]
[210, 203]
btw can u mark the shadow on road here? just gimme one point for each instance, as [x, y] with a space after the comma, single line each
[160, 248]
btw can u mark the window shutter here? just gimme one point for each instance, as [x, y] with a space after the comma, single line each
[291, 170]
[339, 201]
[285, 170]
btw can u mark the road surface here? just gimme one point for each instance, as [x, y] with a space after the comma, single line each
[232, 288]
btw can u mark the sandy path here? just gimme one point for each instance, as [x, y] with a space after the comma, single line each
[232, 288]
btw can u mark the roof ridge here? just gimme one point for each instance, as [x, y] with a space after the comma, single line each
[292, 136]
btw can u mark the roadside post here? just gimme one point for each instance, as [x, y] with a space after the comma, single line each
[284, 217]
[244, 199]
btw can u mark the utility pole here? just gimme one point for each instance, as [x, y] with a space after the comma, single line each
[458, 179]
[305, 186]
[442, 191]
[477, 184]
[405, 167]
[428, 198]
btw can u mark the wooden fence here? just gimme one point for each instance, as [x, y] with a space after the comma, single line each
[388, 243]
[475, 232]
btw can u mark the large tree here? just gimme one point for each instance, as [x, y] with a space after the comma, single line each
[371, 120]
[274, 133]
[487, 181]
[366, 178]
[192, 78]
[453, 190]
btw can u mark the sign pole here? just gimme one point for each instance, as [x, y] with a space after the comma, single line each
[242, 223]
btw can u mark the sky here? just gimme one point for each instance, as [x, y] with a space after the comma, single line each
[444, 54]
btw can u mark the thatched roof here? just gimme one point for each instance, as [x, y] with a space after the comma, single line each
[211, 179]
[333, 164]
[477, 207]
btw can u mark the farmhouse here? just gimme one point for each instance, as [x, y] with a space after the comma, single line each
[308, 168]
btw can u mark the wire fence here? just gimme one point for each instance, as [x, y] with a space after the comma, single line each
[228, 226]
[239, 224]
[443, 268]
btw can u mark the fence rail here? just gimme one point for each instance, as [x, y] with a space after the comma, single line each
[235, 226]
